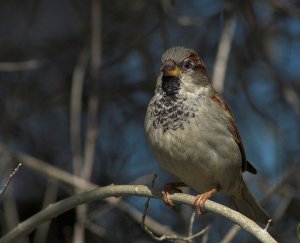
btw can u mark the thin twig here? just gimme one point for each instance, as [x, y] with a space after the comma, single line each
[224, 47]
[144, 227]
[268, 224]
[175, 237]
[203, 231]
[232, 232]
[11, 176]
[19, 66]
[205, 235]
[96, 52]
[75, 131]
[286, 7]
[90, 141]
[11, 215]
[279, 184]
[10, 209]
[192, 220]
[147, 203]
[75, 111]
[41, 233]
[96, 229]
[284, 203]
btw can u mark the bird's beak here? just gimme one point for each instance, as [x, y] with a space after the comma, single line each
[170, 69]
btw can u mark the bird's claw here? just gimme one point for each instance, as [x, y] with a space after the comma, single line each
[171, 188]
[199, 202]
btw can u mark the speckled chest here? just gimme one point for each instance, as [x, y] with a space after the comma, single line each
[172, 112]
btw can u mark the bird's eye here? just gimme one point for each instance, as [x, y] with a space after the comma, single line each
[188, 65]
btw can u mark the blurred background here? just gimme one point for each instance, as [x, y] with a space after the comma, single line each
[76, 78]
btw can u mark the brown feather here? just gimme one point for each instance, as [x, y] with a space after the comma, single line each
[235, 133]
[199, 65]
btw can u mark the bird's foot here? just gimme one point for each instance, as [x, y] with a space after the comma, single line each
[199, 202]
[171, 188]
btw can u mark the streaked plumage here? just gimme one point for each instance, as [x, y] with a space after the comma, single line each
[192, 132]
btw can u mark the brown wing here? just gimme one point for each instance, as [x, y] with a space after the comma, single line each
[233, 128]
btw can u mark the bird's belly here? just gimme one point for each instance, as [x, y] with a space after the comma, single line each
[196, 159]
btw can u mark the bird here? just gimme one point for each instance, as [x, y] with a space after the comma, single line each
[193, 135]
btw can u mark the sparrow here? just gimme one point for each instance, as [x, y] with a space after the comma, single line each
[192, 133]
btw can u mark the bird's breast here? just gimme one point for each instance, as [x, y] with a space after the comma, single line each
[192, 142]
[171, 113]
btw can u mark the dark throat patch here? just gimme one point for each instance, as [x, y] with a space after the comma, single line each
[170, 85]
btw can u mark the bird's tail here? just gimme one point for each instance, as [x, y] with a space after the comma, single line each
[248, 206]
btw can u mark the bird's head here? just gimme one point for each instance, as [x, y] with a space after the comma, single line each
[183, 70]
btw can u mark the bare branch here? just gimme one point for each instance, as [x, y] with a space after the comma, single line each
[19, 66]
[54, 173]
[205, 235]
[285, 6]
[147, 203]
[75, 131]
[75, 111]
[231, 234]
[173, 237]
[93, 105]
[90, 141]
[268, 224]
[64, 205]
[11, 215]
[11, 176]
[192, 220]
[220, 66]
[235, 229]
[50, 197]
[176, 238]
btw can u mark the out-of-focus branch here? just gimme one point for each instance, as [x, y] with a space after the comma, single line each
[191, 224]
[285, 6]
[62, 206]
[235, 229]
[292, 98]
[75, 126]
[224, 47]
[90, 141]
[19, 66]
[11, 215]
[54, 173]
[231, 234]
[50, 197]
[96, 52]
[96, 37]
[75, 109]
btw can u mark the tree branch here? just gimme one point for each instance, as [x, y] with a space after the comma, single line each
[11, 176]
[19, 66]
[53, 210]
[223, 53]
[54, 173]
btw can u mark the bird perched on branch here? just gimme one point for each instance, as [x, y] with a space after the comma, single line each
[192, 132]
